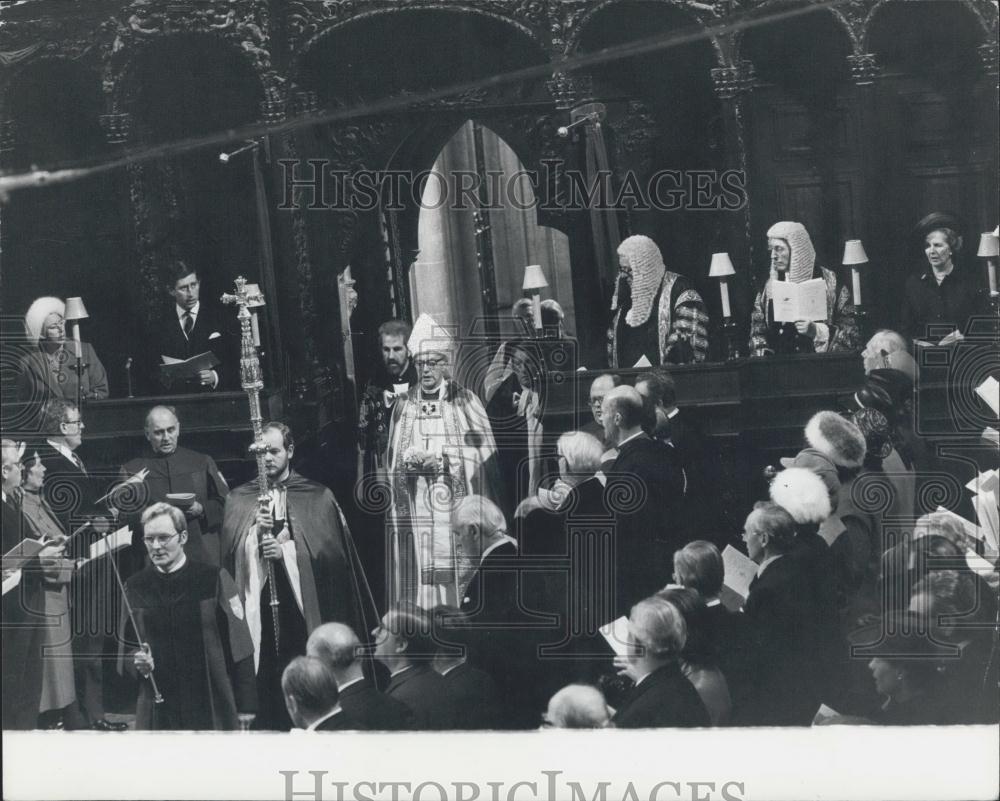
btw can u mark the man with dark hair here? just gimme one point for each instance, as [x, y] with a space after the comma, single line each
[311, 695]
[394, 376]
[404, 643]
[302, 536]
[175, 471]
[473, 692]
[649, 498]
[365, 708]
[189, 328]
[784, 668]
[192, 639]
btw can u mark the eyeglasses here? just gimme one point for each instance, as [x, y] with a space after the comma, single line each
[154, 541]
[78, 422]
[596, 403]
[432, 363]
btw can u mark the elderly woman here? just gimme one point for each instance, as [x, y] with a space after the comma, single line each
[50, 369]
[793, 258]
[941, 294]
[58, 688]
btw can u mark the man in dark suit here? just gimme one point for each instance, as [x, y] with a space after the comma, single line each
[645, 490]
[311, 696]
[365, 708]
[73, 492]
[189, 328]
[473, 691]
[403, 642]
[662, 695]
[599, 389]
[783, 625]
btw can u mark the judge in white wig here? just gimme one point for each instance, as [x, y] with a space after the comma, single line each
[793, 259]
[49, 369]
[441, 449]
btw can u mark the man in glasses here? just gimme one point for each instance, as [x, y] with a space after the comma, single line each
[599, 388]
[441, 449]
[73, 489]
[192, 637]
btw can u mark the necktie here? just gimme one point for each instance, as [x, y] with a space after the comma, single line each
[188, 324]
[79, 463]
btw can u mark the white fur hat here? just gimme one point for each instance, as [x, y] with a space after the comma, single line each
[38, 312]
[801, 493]
[836, 438]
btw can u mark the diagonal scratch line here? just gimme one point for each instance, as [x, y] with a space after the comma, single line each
[753, 19]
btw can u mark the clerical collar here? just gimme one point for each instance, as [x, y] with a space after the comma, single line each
[193, 311]
[432, 394]
[180, 563]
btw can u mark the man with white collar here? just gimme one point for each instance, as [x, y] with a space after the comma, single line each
[311, 695]
[783, 619]
[189, 328]
[365, 708]
[645, 492]
[203, 670]
[441, 447]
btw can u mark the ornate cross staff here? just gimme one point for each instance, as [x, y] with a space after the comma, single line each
[245, 297]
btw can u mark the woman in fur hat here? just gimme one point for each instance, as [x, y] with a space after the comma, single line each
[793, 258]
[49, 369]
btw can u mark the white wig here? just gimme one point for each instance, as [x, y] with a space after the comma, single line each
[38, 312]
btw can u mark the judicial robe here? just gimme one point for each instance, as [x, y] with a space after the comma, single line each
[183, 470]
[194, 623]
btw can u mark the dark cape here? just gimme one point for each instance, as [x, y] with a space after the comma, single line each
[334, 588]
[194, 623]
[374, 417]
[183, 470]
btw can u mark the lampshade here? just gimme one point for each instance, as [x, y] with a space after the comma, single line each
[534, 278]
[989, 246]
[75, 310]
[722, 266]
[854, 252]
[255, 298]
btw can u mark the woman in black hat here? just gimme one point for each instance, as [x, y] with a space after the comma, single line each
[942, 294]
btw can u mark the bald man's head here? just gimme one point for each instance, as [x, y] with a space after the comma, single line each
[622, 413]
[336, 644]
[163, 430]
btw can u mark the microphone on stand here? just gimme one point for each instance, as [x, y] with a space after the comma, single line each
[128, 375]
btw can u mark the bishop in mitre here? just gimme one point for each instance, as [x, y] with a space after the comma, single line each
[441, 449]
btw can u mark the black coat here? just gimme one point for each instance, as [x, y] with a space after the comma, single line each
[475, 695]
[24, 631]
[425, 693]
[949, 305]
[366, 709]
[785, 659]
[645, 493]
[214, 330]
[665, 698]
[337, 722]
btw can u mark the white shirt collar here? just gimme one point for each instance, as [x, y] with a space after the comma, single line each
[396, 672]
[335, 711]
[672, 414]
[450, 668]
[346, 684]
[713, 601]
[766, 562]
[180, 563]
[182, 311]
[63, 448]
[629, 439]
[505, 538]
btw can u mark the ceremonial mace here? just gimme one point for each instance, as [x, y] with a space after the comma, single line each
[253, 383]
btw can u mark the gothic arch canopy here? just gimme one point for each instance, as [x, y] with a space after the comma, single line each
[985, 15]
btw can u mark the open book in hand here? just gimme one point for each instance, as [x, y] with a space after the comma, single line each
[740, 571]
[180, 369]
[802, 301]
[113, 542]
